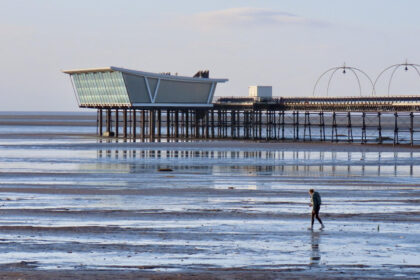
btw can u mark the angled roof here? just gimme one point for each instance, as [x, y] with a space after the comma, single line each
[142, 73]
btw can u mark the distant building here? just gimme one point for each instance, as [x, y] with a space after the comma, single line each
[114, 87]
[264, 92]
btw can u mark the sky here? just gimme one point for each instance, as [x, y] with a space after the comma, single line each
[282, 43]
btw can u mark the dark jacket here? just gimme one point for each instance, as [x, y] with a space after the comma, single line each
[316, 200]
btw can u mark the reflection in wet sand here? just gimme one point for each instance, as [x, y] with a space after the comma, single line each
[315, 258]
[272, 162]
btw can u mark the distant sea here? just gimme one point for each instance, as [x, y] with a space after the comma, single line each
[48, 123]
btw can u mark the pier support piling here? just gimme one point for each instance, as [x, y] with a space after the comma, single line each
[411, 128]
[133, 125]
[100, 122]
[349, 128]
[258, 124]
[379, 128]
[364, 139]
[117, 122]
[396, 140]
[125, 123]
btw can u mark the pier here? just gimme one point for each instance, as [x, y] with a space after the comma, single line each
[144, 106]
[352, 119]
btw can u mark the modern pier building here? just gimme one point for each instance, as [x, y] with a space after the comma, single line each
[114, 87]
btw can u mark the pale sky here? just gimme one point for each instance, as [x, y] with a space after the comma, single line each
[285, 44]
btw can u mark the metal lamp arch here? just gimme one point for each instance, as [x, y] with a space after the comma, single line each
[334, 70]
[395, 67]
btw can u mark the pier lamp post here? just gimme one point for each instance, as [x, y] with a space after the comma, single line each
[332, 71]
[406, 66]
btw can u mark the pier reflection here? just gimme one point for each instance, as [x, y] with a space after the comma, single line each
[263, 162]
[315, 256]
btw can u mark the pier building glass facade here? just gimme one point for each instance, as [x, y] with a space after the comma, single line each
[118, 87]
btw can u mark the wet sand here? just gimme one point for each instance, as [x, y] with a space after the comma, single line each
[351, 273]
[76, 208]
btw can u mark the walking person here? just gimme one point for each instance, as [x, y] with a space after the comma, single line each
[316, 205]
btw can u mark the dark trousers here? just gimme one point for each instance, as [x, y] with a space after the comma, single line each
[315, 214]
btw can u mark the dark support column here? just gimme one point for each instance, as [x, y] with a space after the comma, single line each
[100, 122]
[97, 122]
[196, 123]
[168, 124]
[232, 124]
[143, 124]
[238, 128]
[176, 124]
[133, 124]
[239, 117]
[207, 124]
[254, 124]
[219, 124]
[334, 128]
[267, 125]
[125, 122]
[274, 134]
[272, 124]
[212, 123]
[396, 128]
[182, 124]
[275, 125]
[159, 117]
[304, 126]
[297, 125]
[321, 126]
[349, 128]
[203, 122]
[307, 125]
[129, 122]
[226, 124]
[246, 126]
[140, 124]
[223, 118]
[310, 128]
[282, 125]
[250, 124]
[379, 128]
[152, 124]
[187, 124]
[116, 122]
[364, 140]
[108, 121]
[411, 128]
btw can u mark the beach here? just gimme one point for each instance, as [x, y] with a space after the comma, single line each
[74, 206]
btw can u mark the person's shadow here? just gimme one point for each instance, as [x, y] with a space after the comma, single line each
[315, 257]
